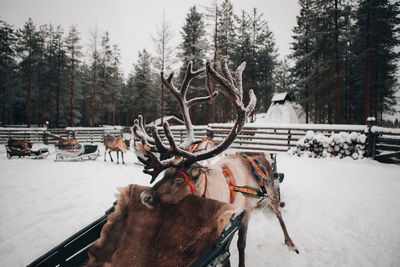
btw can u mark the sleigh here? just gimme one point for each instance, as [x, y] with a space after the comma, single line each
[67, 152]
[83, 246]
[17, 152]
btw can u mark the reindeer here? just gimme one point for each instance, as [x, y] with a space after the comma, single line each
[116, 144]
[184, 176]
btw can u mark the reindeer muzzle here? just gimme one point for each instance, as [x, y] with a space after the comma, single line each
[150, 199]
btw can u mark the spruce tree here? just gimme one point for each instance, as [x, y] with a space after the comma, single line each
[193, 48]
[7, 69]
[28, 46]
[105, 68]
[377, 36]
[144, 101]
[73, 49]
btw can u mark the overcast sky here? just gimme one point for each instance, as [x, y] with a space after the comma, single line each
[132, 22]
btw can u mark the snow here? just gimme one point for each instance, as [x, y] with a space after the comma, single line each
[279, 97]
[382, 130]
[339, 212]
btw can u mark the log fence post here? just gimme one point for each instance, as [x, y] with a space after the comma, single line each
[371, 147]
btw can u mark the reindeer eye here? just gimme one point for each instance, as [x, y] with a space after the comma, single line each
[179, 180]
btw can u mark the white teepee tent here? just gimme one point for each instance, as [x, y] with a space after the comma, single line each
[283, 110]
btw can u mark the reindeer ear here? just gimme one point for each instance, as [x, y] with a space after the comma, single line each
[196, 170]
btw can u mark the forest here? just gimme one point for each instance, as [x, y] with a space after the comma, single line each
[341, 69]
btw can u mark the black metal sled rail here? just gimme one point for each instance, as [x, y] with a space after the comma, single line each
[218, 253]
[73, 251]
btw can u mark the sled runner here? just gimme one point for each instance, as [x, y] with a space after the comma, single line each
[74, 250]
[76, 153]
[17, 152]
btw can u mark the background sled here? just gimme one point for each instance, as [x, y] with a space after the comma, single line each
[87, 152]
[37, 154]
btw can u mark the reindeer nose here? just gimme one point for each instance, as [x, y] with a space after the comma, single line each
[149, 199]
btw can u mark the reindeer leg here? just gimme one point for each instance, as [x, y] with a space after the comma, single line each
[288, 240]
[105, 154]
[241, 243]
[117, 156]
[109, 153]
[122, 155]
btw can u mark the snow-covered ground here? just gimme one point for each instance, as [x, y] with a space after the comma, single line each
[339, 212]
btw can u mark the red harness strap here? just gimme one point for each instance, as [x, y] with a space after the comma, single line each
[228, 175]
[192, 187]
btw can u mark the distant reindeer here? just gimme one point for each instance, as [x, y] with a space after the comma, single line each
[116, 144]
[184, 176]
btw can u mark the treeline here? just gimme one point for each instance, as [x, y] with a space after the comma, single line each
[45, 78]
[342, 68]
[345, 59]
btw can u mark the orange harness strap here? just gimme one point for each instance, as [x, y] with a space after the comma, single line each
[228, 175]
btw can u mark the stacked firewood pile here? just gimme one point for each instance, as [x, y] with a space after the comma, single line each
[340, 145]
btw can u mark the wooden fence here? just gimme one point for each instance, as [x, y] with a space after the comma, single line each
[50, 136]
[383, 143]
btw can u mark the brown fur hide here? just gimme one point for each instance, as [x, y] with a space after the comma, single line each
[22, 145]
[174, 235]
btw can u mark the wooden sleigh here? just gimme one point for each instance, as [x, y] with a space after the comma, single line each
[22, 153]
[76, 152]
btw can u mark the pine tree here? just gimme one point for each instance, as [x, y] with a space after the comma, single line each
[145, 96]
[164, 58]
[105, 57]
[60, 83]
[212, 15]
[302, 47]
[27, 49]
[267, 61]
[193, 48]
[226, 29]
[377, 23]
[284, 81]
[74, 53]
[7, 69]
[116, 86]
[94, 70]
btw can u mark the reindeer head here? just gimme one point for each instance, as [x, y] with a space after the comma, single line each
[182, 172]
[127, 143]
[174, 186]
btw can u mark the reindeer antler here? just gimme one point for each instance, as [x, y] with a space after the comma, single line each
[233, 89]
[185, 105]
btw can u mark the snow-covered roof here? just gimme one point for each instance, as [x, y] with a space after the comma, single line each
[157, 122]
[280, 97]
